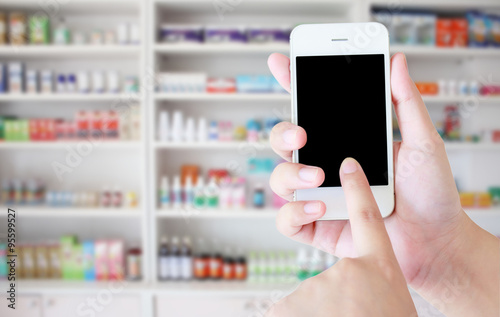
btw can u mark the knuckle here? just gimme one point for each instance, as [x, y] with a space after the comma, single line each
[370, 214]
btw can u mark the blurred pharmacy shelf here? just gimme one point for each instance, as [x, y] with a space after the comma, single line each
[223, 97]
[472, 146]
[217, 213]
[490, 100]
[216, 145]
[411, 51]
[74, 212]
[228, 288]
[48, 286]
[431, 52]
[69, 51]
[54, 145]
[92, 97]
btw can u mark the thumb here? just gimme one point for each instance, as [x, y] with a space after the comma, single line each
[367, 225]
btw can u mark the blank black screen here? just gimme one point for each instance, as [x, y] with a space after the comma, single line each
[341, 105]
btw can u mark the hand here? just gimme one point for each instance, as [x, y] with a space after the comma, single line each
[431, 235]
[371, 284]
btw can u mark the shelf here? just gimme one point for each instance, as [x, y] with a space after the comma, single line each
[417, 51]
[230, 288]
[423, 51]
[46, 286]
[99, 145]
[472, 146]
[223, 97]
[216, 145]
[267, 213]
[69, 51]
[80, 7]
[92, 97]
[204, 48]
[481, 213]
[459, 99]
[75, 212]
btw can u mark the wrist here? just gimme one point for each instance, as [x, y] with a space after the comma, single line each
[463, 279]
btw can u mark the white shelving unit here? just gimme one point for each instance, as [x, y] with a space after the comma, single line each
[138, 165]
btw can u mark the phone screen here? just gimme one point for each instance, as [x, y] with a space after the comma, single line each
[341, 105]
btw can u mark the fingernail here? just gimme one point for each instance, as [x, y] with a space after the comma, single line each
[349, 166]
[289, 136]
[406, 62]
[308, 174]
[312, 208]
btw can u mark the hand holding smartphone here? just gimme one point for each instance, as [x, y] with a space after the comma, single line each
[341, 96]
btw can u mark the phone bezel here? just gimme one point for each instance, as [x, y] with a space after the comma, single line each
[344, 39]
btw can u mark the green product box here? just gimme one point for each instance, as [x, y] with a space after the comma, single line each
[9, 130]
[24, 130]
[67, 253]
[2, 126]
[77, 263]
[39, 30]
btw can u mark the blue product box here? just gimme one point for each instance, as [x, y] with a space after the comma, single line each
[268, 34]
[225, 34]
[494, 35]
[478, 29]
[254, 84]
[3, 78]
[178, 33]
[88, 261]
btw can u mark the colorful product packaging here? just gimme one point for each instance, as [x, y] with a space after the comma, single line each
[47, 82]
[221, 85]
[3, 78]
[425, 29]
[260, 34]
[17, 28]
[67, 244]
[254, 84]
[88, 261]
[494, 36]
[77, 262]
[101, 260]
[31, 81]
[181, 33]
[116, 259]
[42, 261]
[55, 259]
[478, 26]
[3, 28]
[225, 34]
[39, 29]
[16, 78]
[459, 36]
[443, 32]
[427, 88]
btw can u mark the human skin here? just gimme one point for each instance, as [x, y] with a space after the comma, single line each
[354, 286]
[437, 245]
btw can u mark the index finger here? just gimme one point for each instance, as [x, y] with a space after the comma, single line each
[367, 225]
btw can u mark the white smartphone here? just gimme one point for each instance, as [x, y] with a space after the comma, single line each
[341, 96]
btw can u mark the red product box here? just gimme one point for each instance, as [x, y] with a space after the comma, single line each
[96, 125]
[101, 261]
[46, 130]
[443, 32]
[82, 119]
[116, 259]
[34, 130]
[110, 125]
[495, 135]
[221, 85]
[459, 35]
[60, 129]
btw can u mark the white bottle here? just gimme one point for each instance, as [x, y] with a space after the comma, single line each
[98, 82]
[177, 127]
[113, 82]
[174, 263]
[83, 82]
[164, 193]
[176, 192]
[199, 199]
[202, 132]
[188, 192]
[163, 126]
[189, 135]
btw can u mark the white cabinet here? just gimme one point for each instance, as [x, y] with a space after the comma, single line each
[26, 306]
[220, 306]
[102, 303]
